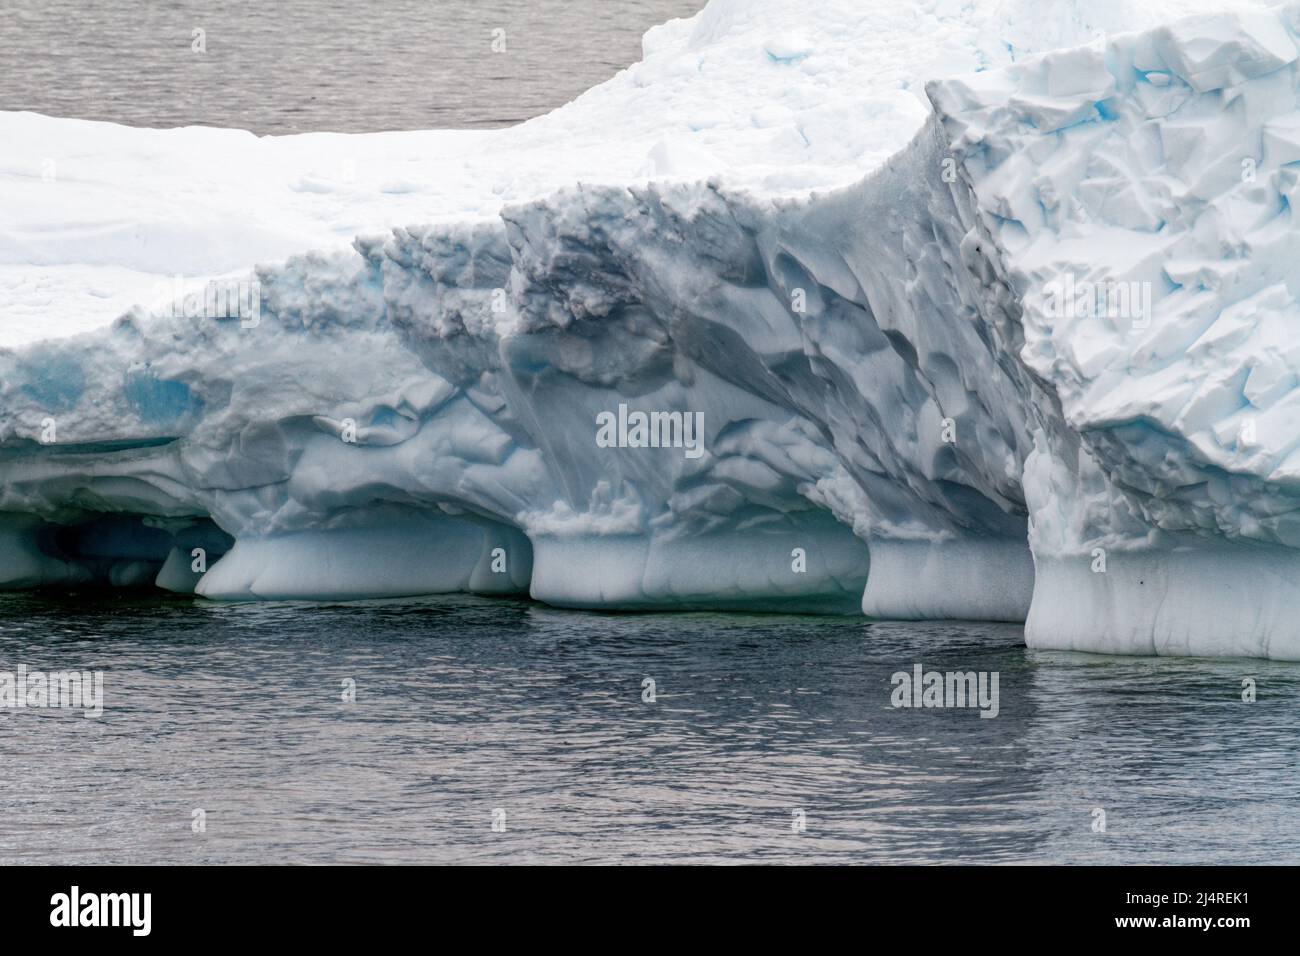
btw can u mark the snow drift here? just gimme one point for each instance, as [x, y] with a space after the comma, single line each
[1012, 347]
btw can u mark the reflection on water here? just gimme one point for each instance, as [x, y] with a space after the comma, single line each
[466, 705]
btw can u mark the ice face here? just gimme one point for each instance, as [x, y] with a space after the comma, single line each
[1021, 356]
[1135, 195]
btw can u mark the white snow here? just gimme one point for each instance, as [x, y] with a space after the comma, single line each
[773, 95]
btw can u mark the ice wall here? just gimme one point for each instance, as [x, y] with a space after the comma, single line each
[1136, 195]
[904, 395]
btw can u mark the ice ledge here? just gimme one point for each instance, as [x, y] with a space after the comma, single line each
[975, 579]
[422, 554]
[1208, 599]
[804, 570]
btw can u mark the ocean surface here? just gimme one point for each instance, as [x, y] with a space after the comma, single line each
[465, 707]
[285, 66]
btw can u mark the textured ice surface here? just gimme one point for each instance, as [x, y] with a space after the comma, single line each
[876, 311]
[1159, 165]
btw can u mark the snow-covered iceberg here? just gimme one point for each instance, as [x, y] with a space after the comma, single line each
[930, 310]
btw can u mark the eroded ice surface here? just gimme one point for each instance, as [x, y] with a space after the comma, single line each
[839, 240]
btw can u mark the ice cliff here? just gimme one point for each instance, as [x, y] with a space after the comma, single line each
[932, 310]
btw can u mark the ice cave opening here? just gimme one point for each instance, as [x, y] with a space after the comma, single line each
[109, 550]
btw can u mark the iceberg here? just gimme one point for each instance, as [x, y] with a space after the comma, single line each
[923, 311]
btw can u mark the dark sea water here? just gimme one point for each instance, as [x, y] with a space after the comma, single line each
[465, 706]
[283, 66]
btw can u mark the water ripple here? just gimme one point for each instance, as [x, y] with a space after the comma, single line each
[466, 705]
